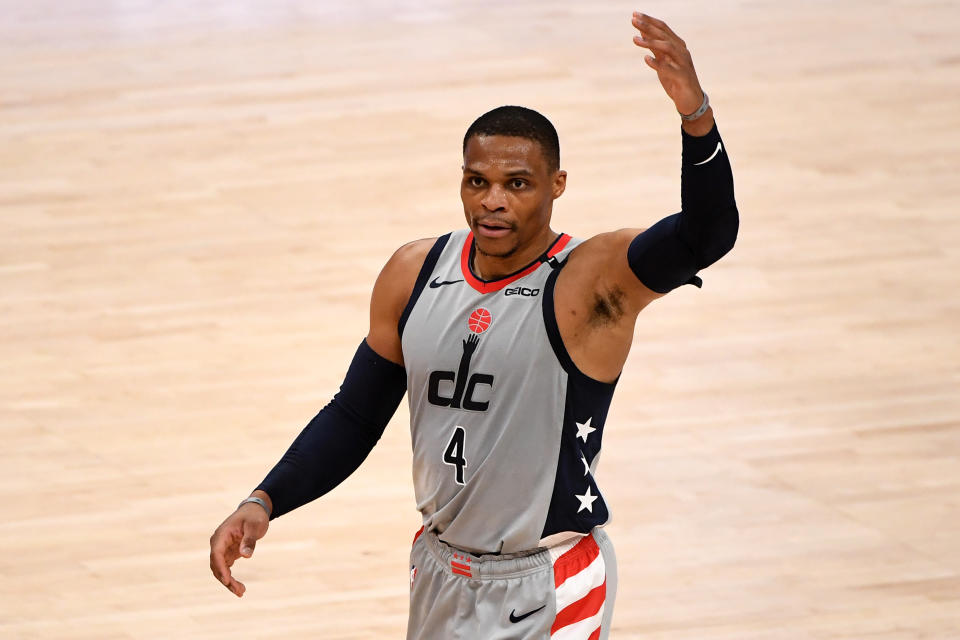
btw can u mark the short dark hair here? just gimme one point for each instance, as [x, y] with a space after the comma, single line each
[526, 123]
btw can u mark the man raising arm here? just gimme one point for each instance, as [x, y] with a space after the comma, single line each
[611, 277]
[508, 338]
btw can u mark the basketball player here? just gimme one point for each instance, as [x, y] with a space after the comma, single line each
[509, 339]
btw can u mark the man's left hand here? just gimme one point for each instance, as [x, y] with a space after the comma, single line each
[671, 60]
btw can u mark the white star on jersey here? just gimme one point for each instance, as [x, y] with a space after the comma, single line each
[586, 467]
[584, 429]
[586, 501]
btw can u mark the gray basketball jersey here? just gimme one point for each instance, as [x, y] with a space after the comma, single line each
[506, 430]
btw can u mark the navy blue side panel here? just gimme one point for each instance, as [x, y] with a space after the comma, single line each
[428, 264]
[576, 504]
[553, 332]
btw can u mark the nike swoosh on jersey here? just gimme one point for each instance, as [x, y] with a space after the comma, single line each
[434, 283]
[514, 618]
[712, 156]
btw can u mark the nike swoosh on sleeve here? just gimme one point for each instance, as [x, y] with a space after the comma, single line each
[712, 156]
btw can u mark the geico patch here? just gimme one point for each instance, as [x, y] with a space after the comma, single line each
[522, 291]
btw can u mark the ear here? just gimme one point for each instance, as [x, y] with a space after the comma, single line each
[559, 183]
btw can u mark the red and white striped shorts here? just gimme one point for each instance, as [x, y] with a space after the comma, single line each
[565, 592]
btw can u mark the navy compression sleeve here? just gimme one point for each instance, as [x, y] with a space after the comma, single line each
[341, 436]
[670, 253]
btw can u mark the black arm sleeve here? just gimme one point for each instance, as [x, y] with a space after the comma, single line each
[341, 436]
[670, 253]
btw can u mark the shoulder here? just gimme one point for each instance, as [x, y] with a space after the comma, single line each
[407, 260]
[399, 274]
[600, 245]
[602, 257]
[392, 290]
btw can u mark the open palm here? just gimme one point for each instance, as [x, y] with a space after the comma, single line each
[671, 60]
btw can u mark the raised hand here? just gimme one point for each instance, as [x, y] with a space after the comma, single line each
[470, 344]
[671, 60]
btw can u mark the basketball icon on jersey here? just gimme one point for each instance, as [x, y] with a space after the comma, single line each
[479, 321]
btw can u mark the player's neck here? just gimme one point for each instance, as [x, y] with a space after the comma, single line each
[489, 267]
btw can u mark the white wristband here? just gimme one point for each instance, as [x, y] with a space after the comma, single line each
[259, 501]
[699, 112]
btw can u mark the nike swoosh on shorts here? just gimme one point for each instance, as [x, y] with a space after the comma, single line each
[516, 618]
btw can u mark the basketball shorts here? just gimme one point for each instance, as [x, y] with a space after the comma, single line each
[564, 592]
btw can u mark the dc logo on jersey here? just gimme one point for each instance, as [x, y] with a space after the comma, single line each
[413, 575]
[464, 383]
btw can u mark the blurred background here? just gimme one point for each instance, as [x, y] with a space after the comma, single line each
[195, 200]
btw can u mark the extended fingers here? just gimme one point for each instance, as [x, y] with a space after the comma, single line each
[657, 40]
[644, 22]
[660, 24]
[657, 46]
[654, 30]
[663, 53]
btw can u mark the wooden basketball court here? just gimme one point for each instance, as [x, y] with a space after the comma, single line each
[195, 199]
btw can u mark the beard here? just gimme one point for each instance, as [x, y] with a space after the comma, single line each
[494, 252]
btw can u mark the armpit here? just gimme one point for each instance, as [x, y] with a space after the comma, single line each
[607, 307]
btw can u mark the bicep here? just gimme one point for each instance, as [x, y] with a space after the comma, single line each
[661, 257]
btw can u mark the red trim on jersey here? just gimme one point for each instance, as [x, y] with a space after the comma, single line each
[416, 535]
[582, 609]
[497, 285]
[595, 635]
[575, 560]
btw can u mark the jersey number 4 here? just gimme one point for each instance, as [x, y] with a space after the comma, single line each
[453, 455]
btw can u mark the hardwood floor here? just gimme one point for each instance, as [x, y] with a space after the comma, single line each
[195, 199]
